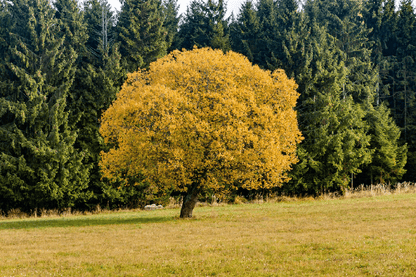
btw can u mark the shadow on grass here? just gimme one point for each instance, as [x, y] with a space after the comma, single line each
[81, 221]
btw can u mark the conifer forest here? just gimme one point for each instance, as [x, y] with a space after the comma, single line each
[64, 62]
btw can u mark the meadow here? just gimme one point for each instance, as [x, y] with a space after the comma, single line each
[373, 235]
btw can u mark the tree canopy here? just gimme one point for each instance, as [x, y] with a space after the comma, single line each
[202, 120]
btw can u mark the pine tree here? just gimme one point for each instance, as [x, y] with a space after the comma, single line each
[380, 17]
[204, 25]
[336, 144]
[171, 23]
[141, 33]
[373, 17]
[295, 53]
[5, 25]
[268, 40]
[405, 68]
[389, 28]
[39, 167]
[389, 158]
[345, 22]
[72, 27]
[98, 81]
[100, 21]
[245, 32]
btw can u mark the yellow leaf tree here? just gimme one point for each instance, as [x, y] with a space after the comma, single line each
[199, 120]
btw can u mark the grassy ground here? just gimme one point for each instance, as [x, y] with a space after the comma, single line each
[337, 237]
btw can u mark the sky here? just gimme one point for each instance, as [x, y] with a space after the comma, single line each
[232, 6]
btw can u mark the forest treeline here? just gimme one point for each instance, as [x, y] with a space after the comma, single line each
[63, 62]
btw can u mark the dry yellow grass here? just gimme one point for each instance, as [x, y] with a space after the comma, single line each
[333, 237]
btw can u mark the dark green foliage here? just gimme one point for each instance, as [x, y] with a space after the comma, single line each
[296, 51]
[39, 166]
[245, 32]
[336, 144]
[5, 25]
[345, 23]
[268, 39]
[141, 33]
[71, 25]
[389, 28]
[389, 158]
[171, 23]
[401, 79]
[99, 78]
[204, 25]
[101, 31]
[288, 13]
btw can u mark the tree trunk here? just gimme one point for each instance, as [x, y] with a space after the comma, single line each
[189, 202]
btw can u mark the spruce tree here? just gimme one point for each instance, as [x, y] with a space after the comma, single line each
[72, 26]
[405, 68]
[389, 28]
[295, 53]
[39, 166]
[98, 81]
[404, 82]
[381, 18]
[141, 33]
[268, 40]
[389, 158]
[171, 23]
[336, 141]
[287, 13]
[344, 21]
[5, 25]
[205, 25]
[245, 32]
[366, 78]
[100, 21]
[373, 17]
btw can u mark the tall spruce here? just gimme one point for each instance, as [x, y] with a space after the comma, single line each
[404, 96]
[387, 65]
[268, 39]
[245, 32]
[390, 155]
[345, 22]
[380, 18]
[336, 145]
[101, 22]
[373, 18]
[405, 68]
[5, 25]
[141, 33]
[71, 25]
[171, 23]
[389, 27]
[205, 25]
[295, 53]
[39, 166]
[100, 78]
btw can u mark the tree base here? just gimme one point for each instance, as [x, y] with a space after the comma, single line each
[189, 202]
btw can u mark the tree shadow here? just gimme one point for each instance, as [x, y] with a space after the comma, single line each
[81, 221]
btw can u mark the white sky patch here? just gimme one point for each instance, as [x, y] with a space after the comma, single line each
[232, 5]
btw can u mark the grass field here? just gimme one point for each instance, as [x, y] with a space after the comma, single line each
[338, 237]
